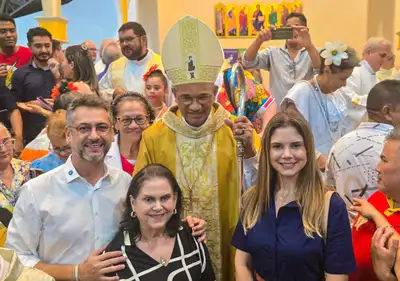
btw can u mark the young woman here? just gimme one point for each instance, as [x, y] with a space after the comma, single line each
[325, 112]
[59, 149]
[77, 66]
[156, 91]
[152, 236]
[132, 114]
[279, 236]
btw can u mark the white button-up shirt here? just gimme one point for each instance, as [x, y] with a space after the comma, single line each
[283, 71]
[353, 159]
[60, 218]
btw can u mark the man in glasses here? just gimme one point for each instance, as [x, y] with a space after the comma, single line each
[65, 218]
[126, 73]
[354, 95]
[193, 140]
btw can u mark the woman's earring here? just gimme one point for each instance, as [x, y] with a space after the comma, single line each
[133, 214]
[174, 212]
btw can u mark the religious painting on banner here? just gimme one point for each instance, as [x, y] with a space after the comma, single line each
[247, 20]
[257, 11]
[220, 14]
[244, 21]
[231, 56]
[232, 20]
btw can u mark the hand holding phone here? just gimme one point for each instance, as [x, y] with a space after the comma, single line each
[283, 33]
[44, 103]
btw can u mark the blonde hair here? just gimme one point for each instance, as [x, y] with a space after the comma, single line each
[309, 187]
[57, 123]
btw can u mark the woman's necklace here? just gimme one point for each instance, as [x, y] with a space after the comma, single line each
[333, 124]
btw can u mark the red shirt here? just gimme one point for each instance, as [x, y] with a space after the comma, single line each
[20, 57]
[127, 166]
[362, 239]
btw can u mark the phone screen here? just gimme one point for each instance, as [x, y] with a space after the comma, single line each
[44, 103]
[283, 33]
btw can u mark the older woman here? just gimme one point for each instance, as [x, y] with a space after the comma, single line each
[132, 114]
[59, 149]
[157, 245]
[13, 174]
[327, 113]
[282, 234]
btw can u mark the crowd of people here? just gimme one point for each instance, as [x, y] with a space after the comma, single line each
[119, 163]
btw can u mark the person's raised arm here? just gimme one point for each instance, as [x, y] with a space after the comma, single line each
[305, 39]
[252, 57]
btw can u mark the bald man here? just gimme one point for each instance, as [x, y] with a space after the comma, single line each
[92, 50]
[100, 66]
[353, 158]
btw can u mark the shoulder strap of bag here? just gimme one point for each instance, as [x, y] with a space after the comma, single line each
[327, 201]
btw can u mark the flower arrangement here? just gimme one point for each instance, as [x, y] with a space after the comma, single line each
[151, 69]
[55, 92]
[334, 53]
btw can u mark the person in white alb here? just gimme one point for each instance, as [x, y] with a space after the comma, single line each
[64, 219]
[353, 159]
[126, 73]
[364, 78]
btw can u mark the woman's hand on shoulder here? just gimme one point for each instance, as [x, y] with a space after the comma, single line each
[365, 208]
[198, 227]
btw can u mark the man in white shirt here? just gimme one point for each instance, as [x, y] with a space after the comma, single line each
[297, 60]
[353, 159]
[126, 73]
[99, 65]
[63, 216]
[364, 77]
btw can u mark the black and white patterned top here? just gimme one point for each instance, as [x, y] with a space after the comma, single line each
[190, 260]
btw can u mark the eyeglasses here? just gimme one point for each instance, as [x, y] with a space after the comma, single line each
[86, 129]
[7, 144]
[188, 100]
[139, 119]
[128, 39]
[60, 150]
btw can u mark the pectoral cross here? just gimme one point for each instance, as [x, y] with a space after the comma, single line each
[191, 200]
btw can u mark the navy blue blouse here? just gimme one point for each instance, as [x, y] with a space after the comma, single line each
[281, 251]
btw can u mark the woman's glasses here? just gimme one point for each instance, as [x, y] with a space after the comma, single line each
[7, 144]
[126, 121]
[60, 150]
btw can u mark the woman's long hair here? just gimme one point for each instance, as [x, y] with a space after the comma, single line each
[83, 66]
[132, 225]
[310, 189]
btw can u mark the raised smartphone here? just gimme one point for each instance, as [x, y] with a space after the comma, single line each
[282, 33]
[44, 103]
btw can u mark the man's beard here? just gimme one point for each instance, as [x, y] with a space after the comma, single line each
[135, 53]
[94, 158]
[38, 57]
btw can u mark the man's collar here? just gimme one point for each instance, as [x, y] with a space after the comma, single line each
[32, 62]
[71, 174]
[285, 49]
[367, 66]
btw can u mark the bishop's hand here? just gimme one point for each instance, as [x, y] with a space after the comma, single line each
[242, 130]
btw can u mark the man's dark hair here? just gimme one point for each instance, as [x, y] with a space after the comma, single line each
[384, 93]
[38, 31]
[91, 101]
[7, 18]
[300, 16]
[56, 45]
[135, 26]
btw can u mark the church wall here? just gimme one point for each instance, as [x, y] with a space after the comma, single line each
[328, 20]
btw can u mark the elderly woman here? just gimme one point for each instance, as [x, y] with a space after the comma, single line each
[282, 233]
[132, 114]
[156, 243]
[13, 174]
[59, 149]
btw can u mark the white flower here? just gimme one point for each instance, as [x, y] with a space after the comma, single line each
[334, 53]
